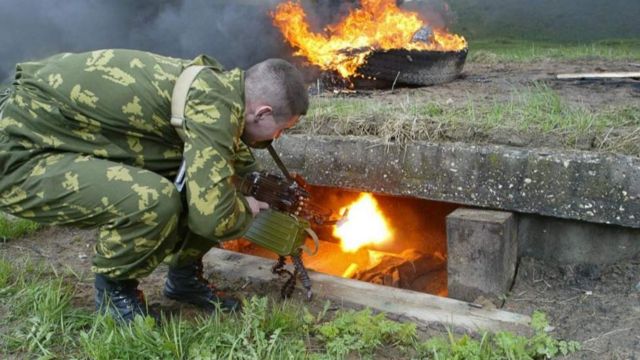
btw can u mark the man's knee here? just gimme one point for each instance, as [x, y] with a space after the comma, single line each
[168, 204]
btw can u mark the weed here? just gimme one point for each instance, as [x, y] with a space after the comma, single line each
[250, 335]
[502, 345]
[11, 228]
[142, 339]
[362, 332]
[40, 321]
[41, 313]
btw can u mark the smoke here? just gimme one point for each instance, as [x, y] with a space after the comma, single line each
[321, 13]
[237, 33]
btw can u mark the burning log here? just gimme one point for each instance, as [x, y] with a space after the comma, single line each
[405, 270]
[350, 52]
[351, 271]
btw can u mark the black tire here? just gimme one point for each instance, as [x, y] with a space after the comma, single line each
[406, 67]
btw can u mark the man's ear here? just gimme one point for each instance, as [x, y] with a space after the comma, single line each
[263, 111]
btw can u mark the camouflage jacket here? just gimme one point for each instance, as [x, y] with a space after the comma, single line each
[115, 104]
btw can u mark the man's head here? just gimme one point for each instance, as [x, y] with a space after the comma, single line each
[275, 98]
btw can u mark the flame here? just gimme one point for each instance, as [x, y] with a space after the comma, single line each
[365, 225]
[376, 25]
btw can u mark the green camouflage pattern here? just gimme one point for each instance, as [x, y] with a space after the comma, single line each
[85, 139]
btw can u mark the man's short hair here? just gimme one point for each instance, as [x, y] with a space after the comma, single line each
[278, 83]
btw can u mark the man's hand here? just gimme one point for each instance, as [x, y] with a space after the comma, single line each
[255, 205]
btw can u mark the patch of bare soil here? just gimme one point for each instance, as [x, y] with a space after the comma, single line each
[598, 306]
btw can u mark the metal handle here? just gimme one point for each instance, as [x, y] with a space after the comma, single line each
[279, 162]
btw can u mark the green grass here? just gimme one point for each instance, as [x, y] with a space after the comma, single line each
[12, 228]
[36, 306]
[40, 321]
[502, 345]
[503, 49]
[536, 110]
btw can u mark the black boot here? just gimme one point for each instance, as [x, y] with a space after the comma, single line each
[186, 284]
[121, 298]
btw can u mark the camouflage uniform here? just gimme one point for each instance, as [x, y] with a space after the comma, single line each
[85, 139]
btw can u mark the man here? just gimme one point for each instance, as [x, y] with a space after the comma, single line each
[86, 139]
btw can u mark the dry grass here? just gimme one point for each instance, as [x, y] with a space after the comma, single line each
[535, 116]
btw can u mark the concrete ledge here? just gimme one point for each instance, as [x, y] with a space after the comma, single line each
[599, 188]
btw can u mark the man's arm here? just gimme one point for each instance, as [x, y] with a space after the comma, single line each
[245, 162]
[216, 209]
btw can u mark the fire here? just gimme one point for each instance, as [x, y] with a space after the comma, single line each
[376, 25]
[365, 225]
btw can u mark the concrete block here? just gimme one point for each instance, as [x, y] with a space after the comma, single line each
[482, 250]
[579, 185]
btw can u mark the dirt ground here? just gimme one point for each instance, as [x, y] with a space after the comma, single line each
[500, 80]
[598, 306]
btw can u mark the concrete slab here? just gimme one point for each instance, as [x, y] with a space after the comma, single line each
[578, 185]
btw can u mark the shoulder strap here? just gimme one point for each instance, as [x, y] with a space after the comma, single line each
[179, 96]
[178, 102]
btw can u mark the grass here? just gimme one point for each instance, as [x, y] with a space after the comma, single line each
[502, 345]
[505, 49]
[41, 321]
[534, 111]
[12, 228]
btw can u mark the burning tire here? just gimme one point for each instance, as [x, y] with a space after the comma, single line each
[410, 67]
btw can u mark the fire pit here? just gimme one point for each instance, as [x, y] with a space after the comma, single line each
[376, 45]
[390, 241]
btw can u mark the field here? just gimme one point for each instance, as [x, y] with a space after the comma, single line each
[508, 95]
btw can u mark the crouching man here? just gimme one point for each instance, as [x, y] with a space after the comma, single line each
[87, 139]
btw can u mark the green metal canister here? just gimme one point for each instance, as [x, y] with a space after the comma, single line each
[279, 232]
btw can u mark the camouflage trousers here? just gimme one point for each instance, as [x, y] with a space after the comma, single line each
[139, 213]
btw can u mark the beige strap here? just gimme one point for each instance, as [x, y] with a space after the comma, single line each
[316, 242]
[178, 103]
[179, 96]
